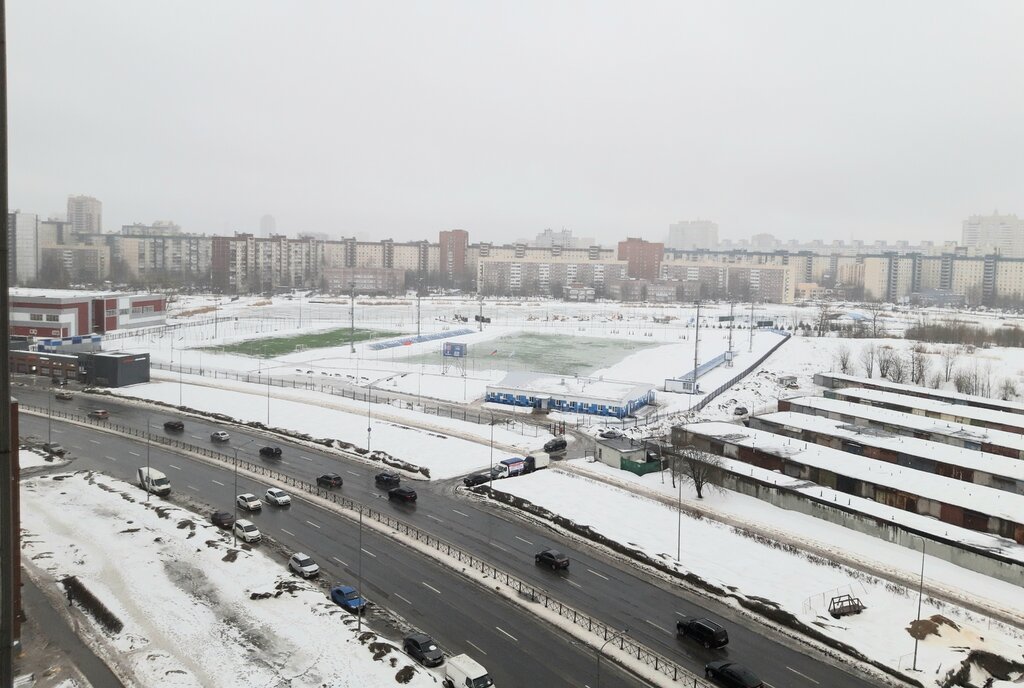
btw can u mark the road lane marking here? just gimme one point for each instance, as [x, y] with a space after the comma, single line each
[660, 628]
[507, 633]
[599, 575]
[428, 585]
[403, 599]
[195, 437]
[218, 482]
[313, 524]
[368, 552]
[435, 518]
[523, 540]
[134, 453]
[340, 561]
[574, 583]
[174, 467]
[804, 675]
[59, 432]
[476, 647]
[460, 513]
[287, 533]
[110, 457]
[305, 457]
[495, 544]
[284, 463]
[681, 614]
[196, 489]
[94, 441]
[353, 473]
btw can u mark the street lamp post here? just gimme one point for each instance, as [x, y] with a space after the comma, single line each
[359, 573]
[490, 475]
[148, 421]
[49, 417]
[234, 496]
[920, 595]
[679, 508]
[624, 631]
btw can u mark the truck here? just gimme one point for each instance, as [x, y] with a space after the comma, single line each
[508, 468]
[463, 670]
[152, 480]
[537, 461]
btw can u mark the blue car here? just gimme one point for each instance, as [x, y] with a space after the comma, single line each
[348, 598]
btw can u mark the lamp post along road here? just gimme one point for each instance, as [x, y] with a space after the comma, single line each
[148, 422]
[623, 632]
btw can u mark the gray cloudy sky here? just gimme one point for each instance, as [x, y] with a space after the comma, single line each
[397, 119]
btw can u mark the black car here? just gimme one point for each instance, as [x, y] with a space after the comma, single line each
[477, 479]
[271, 452]
[388, 479]
[54, 448]
[174, 425]
[222, 519]
[556, 445]
[740, 411]
[704, 631]
[732, 675]
[329, 480]
[423, 649]
[553, 558]
[402, 494]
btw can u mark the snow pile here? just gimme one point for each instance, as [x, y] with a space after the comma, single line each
[784, 580]
[183, 595]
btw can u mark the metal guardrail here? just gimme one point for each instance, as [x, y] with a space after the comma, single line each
[708, 398]
[636, 650]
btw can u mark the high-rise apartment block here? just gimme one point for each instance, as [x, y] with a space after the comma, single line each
[643, 257]
[85, 214]
[1002, 234]
[693, 234]
[453, 245]
[22, 247]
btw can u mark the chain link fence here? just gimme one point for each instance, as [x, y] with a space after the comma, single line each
[531, 593]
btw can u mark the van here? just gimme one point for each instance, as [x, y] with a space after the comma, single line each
[152, 480]
[462, 671]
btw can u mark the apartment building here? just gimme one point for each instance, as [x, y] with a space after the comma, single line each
[995, 233]
[643, 257]
[22, 247]
[545, 276]
[692, 234]
[85, 214]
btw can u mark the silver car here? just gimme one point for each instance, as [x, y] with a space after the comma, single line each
[247, 531]
[220, 436]
[277, 496]
[249, 502]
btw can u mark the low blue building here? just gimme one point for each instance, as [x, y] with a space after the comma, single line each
[571, 394]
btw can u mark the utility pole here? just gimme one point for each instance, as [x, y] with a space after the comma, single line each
[751, 325]
[359, 574]
[8, 526]
[147, 455]
[480, 322]
[418, 297]
[920, 595]
[352, 316]
[49, 417]
[696, 345]
[731, 306]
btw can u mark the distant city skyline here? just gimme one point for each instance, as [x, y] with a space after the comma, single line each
[609, 120]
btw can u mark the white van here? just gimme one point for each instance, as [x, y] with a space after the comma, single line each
[462, 671]
[152, 480]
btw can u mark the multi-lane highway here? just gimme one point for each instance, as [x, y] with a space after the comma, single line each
[617, 593]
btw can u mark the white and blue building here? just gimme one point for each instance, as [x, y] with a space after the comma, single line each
[571, 394]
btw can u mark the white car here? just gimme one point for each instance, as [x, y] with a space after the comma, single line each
[278, 497]
[249, 502]
[220, 436]
[247, 531]
[303, 565]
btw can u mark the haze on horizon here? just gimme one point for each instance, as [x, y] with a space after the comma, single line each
[807, 120]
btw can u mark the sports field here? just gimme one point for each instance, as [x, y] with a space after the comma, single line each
[279, 346]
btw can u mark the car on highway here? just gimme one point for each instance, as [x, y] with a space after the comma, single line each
[174, 425]
[99, 414]
[222, 519]
[553, 558]
[423, 649]
[249, 502]
[402, 494]
[348, 598]
[277, 496]
[220, 436]
[387, 479]
[556, 445]
[329, 480]
[303, 565]
[732, 675]
[54, 448]
[704, 631]
[476, 479]
[64, 395]
[247, 531]
[271, 452]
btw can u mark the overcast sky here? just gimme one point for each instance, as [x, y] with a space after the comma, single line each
[831, 120]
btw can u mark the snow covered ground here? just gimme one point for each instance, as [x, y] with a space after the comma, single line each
[797, 582]
[447, 447]
[183, 595]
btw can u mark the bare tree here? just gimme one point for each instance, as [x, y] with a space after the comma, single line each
[844, 359]
[886, 355]
[963, 382]
[899, 367]
[919, 364]
[949, 356]
[1008, 389]
[825, 315]
[867, 358]
[700, 468]
[875, 310]
[935, 381]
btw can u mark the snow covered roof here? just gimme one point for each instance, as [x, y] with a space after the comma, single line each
[986, 500]
[561, 386]
[873, 437]
[932, 405]
[912, 421]
[951, 396]
[30, 292]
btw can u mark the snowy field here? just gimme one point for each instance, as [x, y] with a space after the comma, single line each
[447, 447]
[797, 582]
[138, 558]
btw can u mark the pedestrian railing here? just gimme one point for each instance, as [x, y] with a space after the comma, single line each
[531, 593]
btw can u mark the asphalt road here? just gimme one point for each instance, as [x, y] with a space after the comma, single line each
[617, 593]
